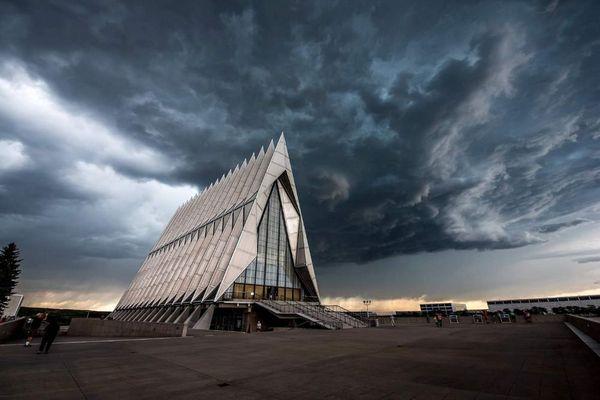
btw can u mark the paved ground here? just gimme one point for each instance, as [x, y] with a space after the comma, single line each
[412, 362]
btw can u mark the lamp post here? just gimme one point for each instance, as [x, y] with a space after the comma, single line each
[366, 303]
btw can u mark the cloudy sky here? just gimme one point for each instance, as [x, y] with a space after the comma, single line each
[442, 150]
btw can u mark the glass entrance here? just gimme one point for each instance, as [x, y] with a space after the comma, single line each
[271, 275]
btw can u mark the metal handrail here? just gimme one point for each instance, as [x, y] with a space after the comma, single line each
[309, 309]
[331, 315]
[342, 317]
[316, 311]
[253, 297]
[352, 320]
[282, 306]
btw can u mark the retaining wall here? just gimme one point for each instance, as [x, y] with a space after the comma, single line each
[112, 328]
[11, 328]
[588, 326]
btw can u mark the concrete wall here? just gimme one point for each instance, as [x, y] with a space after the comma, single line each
[588, 326]
[113, 328]
[11, 328]
[385, 320]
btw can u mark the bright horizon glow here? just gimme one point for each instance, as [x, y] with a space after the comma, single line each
[350, 303]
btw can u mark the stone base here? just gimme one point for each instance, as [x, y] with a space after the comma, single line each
[112, 328]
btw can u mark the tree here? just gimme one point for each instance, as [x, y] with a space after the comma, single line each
[10, 268]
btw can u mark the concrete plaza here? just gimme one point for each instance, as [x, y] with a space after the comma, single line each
[544, 360]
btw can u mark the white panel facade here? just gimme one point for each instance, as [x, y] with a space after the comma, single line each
[213, 238]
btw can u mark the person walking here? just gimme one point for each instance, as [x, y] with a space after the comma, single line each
[49, 334]
[32, 326]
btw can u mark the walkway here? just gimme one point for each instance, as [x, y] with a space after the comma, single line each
[543, 360]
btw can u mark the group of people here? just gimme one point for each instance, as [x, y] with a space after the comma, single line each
[496, 317]
[511, 316]
[437, 318]
[47, 324]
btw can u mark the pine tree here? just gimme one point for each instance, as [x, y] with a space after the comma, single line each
[10, 268]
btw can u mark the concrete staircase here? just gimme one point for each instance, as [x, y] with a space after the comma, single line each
[329, 317]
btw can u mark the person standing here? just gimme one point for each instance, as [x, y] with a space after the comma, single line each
[33, 324]
[49, 334]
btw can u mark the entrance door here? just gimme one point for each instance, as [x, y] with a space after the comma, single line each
[272, 292]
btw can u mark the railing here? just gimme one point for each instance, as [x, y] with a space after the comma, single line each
[314, 310]
[281, 306]
[344, 315]
[252, 296]
[331, 316]
[308, 309]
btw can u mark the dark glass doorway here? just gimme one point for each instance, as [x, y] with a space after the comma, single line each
[272, 292]
[228, 319]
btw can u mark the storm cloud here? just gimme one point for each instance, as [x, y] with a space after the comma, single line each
[412, 127]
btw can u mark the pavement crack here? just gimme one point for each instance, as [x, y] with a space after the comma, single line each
[64, 363]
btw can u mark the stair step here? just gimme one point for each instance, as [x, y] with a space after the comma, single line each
[330, 317]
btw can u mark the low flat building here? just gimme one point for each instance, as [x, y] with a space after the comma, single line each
[544, 302]
[443, 307]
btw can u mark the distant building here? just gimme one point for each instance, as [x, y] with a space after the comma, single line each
[545, 302]
[443, 307]
[13, 306]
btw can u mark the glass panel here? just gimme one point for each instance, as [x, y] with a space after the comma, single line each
[272, 271]
[258, 292]
[238, 291]
[228, 293]
[249, 291]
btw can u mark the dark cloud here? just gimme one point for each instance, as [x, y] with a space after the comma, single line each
[549, 228]
[412, 127]
[586, 260]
